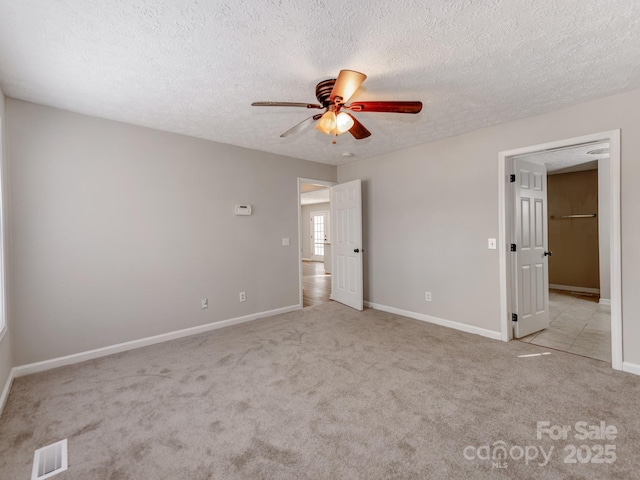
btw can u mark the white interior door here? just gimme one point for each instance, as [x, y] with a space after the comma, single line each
[346, 244]
[319, 234]
[531, 275]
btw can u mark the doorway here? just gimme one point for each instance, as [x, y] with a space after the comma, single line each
[315, 247]
[577, 229]
[577, 321]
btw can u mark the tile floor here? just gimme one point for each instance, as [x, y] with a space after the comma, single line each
[579, 324]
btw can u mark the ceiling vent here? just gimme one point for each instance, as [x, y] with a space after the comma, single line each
[598, 151]
[50, 460]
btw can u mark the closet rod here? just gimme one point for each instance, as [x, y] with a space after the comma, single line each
[579, 215]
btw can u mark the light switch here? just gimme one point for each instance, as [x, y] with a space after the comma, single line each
[285, 242]
[492, 244]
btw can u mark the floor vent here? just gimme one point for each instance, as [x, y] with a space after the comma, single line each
[50, 460]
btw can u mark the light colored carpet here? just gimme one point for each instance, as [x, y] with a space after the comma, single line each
[322, 393]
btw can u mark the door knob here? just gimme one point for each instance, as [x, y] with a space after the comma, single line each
[356, 250]
[548, 254]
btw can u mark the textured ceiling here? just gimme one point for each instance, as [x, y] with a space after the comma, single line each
[194, 67]
[315, 196]
[571, 159]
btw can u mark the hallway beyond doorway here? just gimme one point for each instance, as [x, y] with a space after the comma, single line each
[316, 284]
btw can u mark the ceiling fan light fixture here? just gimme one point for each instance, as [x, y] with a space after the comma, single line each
[327, 122]
[344, 122]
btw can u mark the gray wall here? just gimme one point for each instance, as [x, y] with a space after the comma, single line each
[428, 211]
[6, 360]
[306, 225]
[118, 231]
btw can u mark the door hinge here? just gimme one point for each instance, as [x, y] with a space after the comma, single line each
[514, 317]
[512, 178]
[513, 247]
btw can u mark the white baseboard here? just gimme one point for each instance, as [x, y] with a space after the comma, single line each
[6, 390]
[438, 321]
[631, 368]
[605, 301]
[570, 288]
[28, 369]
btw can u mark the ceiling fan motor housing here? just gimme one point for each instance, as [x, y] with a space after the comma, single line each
[323, 91]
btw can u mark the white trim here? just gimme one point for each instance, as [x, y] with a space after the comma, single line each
[315, 182]
[438, 321]
[506, 330]
[613, 137]
[3, 228]
[23, 370]
[616, 254]
[6, 390]
[631, 368]
[605, 301]
[569, 288]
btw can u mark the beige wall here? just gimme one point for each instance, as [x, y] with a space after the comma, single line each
[429, 209]
[574, 242]
[306, 225]
[119, 231]
[6, 360]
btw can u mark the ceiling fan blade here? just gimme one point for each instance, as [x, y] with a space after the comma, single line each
[358, 130]
[306, 123]
[347, 83]
[286, 104]
[392, 107]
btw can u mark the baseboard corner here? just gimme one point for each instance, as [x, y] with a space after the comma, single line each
[631, 368]
[572, 288]
[5, 391]
[605, 301]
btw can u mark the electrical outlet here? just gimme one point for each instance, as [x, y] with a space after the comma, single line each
[205, 303]
[427, 296]
[492, 244]
[243, 296]
[285, 242]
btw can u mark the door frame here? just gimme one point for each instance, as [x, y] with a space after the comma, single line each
[324, 183]
[505, 226]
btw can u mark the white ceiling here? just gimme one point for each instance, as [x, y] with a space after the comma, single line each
[571, 159]
[315, 197]
[194, 67]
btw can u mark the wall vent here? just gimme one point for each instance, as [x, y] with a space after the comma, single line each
[50, 460]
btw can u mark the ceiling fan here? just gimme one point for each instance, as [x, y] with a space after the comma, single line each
[333, 95]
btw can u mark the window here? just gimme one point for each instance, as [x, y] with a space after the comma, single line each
[318, 235]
